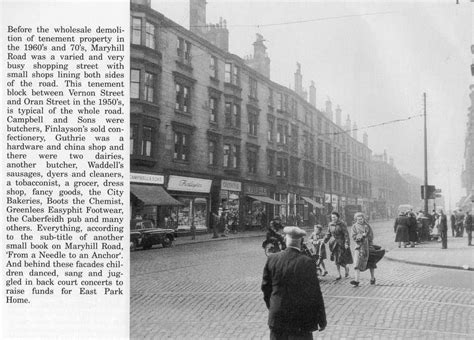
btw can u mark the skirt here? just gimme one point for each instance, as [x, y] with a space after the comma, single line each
[341, 256]
[376, 253]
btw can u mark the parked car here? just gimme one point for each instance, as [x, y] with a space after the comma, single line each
[144, 234]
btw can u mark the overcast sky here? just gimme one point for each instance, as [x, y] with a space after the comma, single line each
[375, 60]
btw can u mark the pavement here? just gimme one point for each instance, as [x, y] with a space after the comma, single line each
[458, 255]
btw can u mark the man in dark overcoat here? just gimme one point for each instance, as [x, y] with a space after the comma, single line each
[468, 227]
[443, 229]
[291, 291]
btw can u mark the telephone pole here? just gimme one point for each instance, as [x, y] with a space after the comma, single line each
[426, 156]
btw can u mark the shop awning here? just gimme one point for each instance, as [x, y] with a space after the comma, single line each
[265, 199]
[313, 202]
[153, 195]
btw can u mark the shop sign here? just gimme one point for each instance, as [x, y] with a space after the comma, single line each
[334, 199]
[147, 178]
[231, 185]
[179, 183]
[327, 198]
[255, 190]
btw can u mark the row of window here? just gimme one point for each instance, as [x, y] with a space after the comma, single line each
[277, 166]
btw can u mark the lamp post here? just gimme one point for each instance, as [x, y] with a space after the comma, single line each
[426, 156]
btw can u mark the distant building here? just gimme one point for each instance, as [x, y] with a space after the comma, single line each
[468, 171]
[389, 188]
[212, 130]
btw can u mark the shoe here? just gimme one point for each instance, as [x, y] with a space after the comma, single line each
[412, 246]
[354, 283]
[338, 278]
[372, 281]
[215, 236]
[399, 246]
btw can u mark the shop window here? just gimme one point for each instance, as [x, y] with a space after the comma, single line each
[147, 141]
[150, 39]
[181, 146]
[150, 81]
[182, 98]
[135, 83]
[136, 31]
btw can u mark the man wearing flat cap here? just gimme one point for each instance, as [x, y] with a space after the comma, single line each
[291, 291]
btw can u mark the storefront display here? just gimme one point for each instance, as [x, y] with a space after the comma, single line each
[193, 193]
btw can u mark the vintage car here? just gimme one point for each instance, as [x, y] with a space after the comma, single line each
[144, 234]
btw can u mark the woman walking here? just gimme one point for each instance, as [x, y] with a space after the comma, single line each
[366, 254]
[339, 244]
[400, 228]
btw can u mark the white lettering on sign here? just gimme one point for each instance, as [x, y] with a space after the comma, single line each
[179, 183]
[231, 185]
[147, 178]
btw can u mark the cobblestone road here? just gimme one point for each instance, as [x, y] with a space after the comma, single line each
[212, 291]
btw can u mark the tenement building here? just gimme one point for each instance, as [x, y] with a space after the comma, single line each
[211, 130]
[389, 188]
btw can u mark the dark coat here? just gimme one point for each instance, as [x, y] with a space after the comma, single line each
[292, 293]
[400, 228]
[443, 223]
[468, 222]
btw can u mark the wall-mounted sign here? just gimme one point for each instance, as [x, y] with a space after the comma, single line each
[250, 189]
[179, 183]
[146, 178]
[327, 198]
[231, 185]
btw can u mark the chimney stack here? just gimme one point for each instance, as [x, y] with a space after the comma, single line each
[298, 80]
[312, 94]
[197, 16]
[348, 125]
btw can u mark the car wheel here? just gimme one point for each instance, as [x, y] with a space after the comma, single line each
[167, 241]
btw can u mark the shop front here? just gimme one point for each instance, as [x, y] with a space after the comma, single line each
[259, 208]
[230, 202]
[150, 201]
[194, 196]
